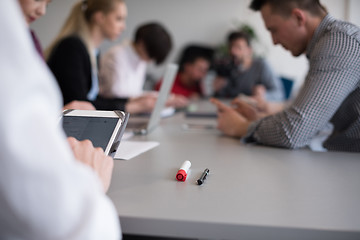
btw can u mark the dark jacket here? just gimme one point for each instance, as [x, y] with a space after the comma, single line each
[70, 63]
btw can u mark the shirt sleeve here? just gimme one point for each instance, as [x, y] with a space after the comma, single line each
[44, 192]
[330, 80]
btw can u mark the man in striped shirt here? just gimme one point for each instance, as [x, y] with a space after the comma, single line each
[331, 91]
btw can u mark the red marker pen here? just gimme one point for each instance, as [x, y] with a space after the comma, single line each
[182, 173]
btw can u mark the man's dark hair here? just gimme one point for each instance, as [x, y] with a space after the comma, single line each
[156, 39]
[233, 36]
[284, 7]
[192, 53]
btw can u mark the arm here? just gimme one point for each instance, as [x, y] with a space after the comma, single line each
[82, 105]
[230, 121]
[222, 83]
[44, 192]
[329, 81]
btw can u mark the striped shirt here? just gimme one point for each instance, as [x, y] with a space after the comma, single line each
[330, 94]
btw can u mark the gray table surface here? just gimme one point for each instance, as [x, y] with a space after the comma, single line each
[252, 192]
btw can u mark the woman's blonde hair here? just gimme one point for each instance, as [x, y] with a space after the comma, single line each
[79, 22]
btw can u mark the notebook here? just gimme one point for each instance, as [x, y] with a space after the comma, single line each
[144, 126]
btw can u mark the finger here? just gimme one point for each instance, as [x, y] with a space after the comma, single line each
[240, 103]
[221, 106]
[72, 141]
[236, 100]
[99, 150]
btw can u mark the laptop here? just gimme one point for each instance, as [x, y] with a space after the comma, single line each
[144, 126]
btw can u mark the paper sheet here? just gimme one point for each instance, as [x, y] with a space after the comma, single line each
[131, 149]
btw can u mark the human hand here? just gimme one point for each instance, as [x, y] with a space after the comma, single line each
[259, 103]
[80, 105]
[248, 109]
[259, 92]
[142, 104]
[95, 158]
[177, 101]
[230, 121]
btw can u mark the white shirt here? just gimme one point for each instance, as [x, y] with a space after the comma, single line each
[122, 72]
[44, 192]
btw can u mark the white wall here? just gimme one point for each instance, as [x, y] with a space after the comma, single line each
[353, 9]
[199, 21]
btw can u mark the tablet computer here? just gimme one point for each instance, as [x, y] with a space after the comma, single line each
[103, 128]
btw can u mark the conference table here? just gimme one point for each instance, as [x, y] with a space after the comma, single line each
[251, 192]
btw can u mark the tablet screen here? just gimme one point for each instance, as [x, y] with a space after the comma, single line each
[97, 129]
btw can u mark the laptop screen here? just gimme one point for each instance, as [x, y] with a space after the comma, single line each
[169, 77]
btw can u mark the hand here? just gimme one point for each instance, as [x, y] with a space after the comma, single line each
[259, 92]
[142, 104]
[255, 108]
[230, 121]
[85, 152]
[177, 101]
[248, 110]
[80, 105]
[258, 102]
[219, 83]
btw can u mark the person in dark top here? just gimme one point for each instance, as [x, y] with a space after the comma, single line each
[73, 56]
[243, 73]
[33, 10]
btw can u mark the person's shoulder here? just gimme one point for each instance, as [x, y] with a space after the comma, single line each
[333, 28]
[341, 25]
[71, 47]
[334, 38]
[71, 42]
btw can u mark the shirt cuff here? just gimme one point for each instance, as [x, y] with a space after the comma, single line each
[249, 137]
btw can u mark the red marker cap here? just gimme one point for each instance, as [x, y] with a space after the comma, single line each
[182, 173]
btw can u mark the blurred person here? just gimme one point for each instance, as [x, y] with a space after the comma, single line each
[328, 105]
[33, 10]
[193, 69]
[123, 67]
[73, 56]
[45, 179]
[242, 73]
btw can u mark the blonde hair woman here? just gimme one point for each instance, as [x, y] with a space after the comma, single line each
[33, 10]
[72, 56]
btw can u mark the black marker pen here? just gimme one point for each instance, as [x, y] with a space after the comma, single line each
[203, 176]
